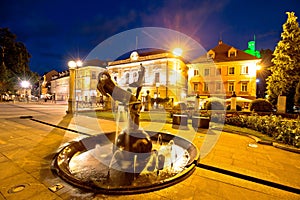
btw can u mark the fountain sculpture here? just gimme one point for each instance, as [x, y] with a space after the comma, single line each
[130, 161]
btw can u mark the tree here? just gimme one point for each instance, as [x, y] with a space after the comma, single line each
[285, 72]
[14, 62]
[297, 95]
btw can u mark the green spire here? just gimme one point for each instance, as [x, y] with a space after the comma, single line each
[251, 48]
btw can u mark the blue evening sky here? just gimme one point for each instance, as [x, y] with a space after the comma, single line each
[58, 30]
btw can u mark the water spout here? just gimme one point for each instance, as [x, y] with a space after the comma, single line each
[134, 165]
[111, 163]
[159, 139]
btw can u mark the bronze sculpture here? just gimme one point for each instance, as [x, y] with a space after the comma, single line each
[133, 145]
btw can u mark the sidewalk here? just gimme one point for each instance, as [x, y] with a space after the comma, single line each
[27, 148]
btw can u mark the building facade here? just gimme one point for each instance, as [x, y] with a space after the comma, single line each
[60, 86]
[165, 74]
[86, 79]
[222, 71]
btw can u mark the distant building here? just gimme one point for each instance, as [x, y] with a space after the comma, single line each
[45, 83]
[222, 71]
[60, 86]
[85, 86]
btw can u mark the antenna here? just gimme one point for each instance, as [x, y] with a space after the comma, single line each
[136, 42]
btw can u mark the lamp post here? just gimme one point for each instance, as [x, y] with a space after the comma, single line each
[72, 85]
[257, 87]
[25, 85]
[157, 96]
[233, 102]
[177, 52]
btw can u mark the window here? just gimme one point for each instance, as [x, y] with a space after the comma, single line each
[211, 54]
[245, 70]
[231, 70]
[93, 75]
[232, 52]
[127, 78]
[196, 72]
[196, 87]
[218, 86]
[231, 86]
[218, 71]
[244, 87]
[157, 77]
[206, 72]
[135, 77]
[205, 87]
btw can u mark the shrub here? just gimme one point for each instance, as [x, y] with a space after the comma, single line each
[238, 107]
[285, 131]
[261, 105]
[214, 105]
[218, 118]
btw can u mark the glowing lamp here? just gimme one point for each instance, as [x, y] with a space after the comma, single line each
[25, 84]
[177, 51]
[72, 64]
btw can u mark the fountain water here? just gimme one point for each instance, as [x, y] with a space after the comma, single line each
[128, 162]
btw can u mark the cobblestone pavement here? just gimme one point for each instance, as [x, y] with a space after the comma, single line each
[27, 148]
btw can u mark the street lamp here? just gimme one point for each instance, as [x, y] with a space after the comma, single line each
[157, 96]
[258, 70]
[25, 85]
[177, 51]
[73, 65]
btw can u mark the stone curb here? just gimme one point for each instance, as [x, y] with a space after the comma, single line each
[264, 142]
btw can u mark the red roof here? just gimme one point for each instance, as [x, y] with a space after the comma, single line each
[221, 54]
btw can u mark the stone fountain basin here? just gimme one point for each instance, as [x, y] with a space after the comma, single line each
[85, 164]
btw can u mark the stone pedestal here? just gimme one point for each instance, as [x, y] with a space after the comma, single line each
[200, 122]
[281, 104]
[180, 121]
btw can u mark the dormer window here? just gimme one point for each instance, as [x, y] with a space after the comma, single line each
[232, 52]
[211, 54]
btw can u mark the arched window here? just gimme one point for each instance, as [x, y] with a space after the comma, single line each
[127, 78]
[135, 76]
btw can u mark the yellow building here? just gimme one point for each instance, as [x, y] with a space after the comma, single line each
[165, 74]
[222, 71]
[219, 73]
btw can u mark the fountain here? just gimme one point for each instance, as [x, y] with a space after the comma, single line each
[131, 161]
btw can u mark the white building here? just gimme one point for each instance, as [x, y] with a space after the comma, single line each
[85, 86]
[165, 74]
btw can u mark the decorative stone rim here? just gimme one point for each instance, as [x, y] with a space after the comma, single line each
[61, 168]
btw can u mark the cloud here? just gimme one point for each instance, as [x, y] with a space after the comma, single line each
[193, 19]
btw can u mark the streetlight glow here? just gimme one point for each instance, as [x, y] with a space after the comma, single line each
[79, 63]
[177, 51]
[25, 84]
[72, 64]
[258, 67]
